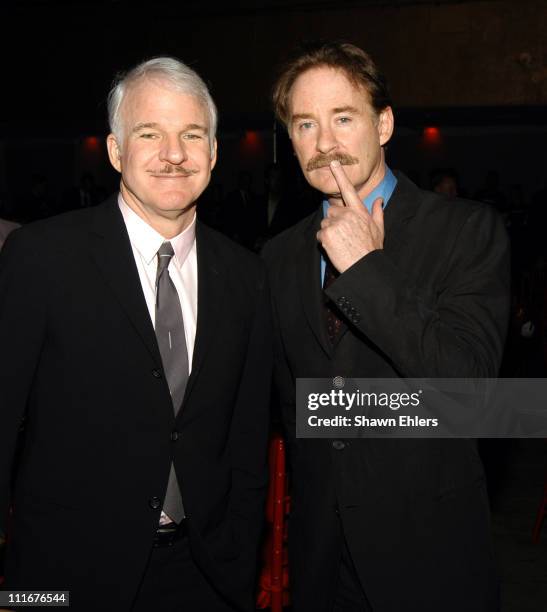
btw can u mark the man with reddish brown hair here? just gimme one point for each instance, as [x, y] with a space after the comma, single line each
[383, 281]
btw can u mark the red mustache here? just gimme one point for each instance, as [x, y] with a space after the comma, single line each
[322, 159]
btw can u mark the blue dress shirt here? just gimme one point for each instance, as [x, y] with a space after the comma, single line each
[384, 190]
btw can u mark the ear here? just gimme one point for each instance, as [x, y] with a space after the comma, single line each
[214, 155]
[386, 124]
[114, 152]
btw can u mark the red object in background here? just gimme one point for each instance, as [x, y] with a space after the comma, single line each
[91, 144]
[432, 136]
[251, 138]
[251, 144]
[274, 578]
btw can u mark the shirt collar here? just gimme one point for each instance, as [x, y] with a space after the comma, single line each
[384, 190]
[147, 240]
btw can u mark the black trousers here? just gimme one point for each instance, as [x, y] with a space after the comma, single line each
[349, 596]
[173, 583]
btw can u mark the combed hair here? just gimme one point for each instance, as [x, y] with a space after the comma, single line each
[168, 69]
[357, 65]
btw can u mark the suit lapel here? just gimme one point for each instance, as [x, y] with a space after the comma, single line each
[309, 282]
[211, 289]
[402, 206]
[112, 253]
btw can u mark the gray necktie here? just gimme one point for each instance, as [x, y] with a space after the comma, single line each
[174, 356]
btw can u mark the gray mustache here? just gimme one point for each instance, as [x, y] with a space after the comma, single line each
[174, 170]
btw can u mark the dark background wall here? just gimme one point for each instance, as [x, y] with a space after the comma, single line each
[475, 69]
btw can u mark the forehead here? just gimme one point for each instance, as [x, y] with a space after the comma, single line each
[325, 88]
[154, 100]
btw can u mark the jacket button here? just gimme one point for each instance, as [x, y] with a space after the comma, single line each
[154, 503]
[338, 445]
[156, 373]
[174, 436]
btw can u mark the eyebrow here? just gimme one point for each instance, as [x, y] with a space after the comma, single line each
[190, 126]
[143, 126]
[337, 110]
[196, 126]
[299, 116]
[345, 109]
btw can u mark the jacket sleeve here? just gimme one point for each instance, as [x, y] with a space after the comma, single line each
[458, 329]
[283, 379]
[22, 333]
[250, 430]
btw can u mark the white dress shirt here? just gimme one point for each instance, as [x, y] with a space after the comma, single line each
[183, 268]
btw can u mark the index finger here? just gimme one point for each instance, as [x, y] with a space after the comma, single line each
[347, 190]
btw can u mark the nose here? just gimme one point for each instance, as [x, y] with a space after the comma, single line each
[173, 150]
[326, 140]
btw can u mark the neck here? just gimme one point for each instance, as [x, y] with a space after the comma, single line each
[365, 189]
[169, 228]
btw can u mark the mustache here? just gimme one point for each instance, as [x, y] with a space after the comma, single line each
[322, 159]
[168, 169]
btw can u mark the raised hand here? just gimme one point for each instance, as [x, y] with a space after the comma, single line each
[350, 232]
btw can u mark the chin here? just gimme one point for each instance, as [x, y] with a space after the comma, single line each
[326, 186]
[177, 201]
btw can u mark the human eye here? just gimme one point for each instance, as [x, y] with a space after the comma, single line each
[192, 136]
[147, 135]
[305, 125]
[344, 120]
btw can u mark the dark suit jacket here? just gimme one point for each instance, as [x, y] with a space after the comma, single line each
[79, 358]
[432, 303]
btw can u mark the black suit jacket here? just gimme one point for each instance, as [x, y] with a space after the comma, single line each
[79, 360]
[432, 303]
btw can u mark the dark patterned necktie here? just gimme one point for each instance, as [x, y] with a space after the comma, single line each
[333, 322]
[174, 355]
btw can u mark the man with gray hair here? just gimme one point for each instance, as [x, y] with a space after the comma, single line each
[135, 345]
